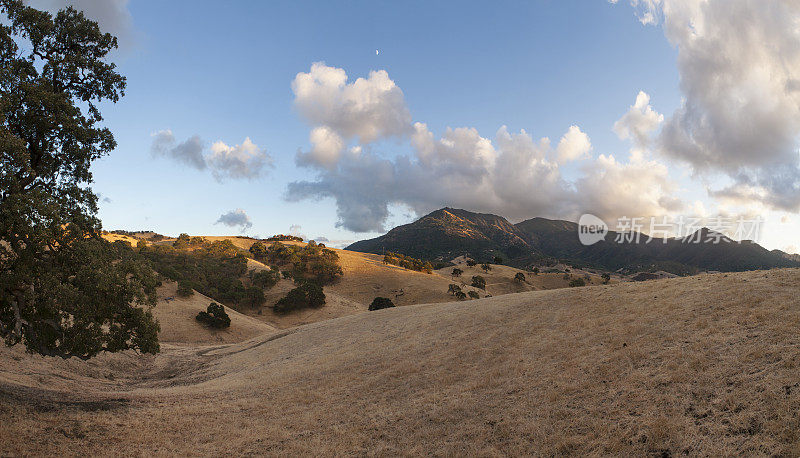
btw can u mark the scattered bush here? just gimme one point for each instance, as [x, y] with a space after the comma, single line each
[264, 279]
[473, 295]
[259, 251]
[577, 282]
[461, 296]
[453, 289]
[457, 272]
[309, 262]
[479, 282]
[407, 262]
[285, 238]
[519, 277]
[535, 271]
[213, 269]
[472, 262]
[184, 289]
[307, 295]
[253, 297]
[381, 303]
[606, 278]
[182, 241]
[486, 267]
[214, 316]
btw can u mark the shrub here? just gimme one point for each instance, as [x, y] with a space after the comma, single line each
[453, 289]
[307, 295]
[213, 269]
[285, 238]
[473, 295]
[519, 277]
[214, 316]
[253, 297]
[457, 272]
[535, 271]
[486, 267]
[407, 262]
[184, 289]
[577, 282]
[472, 262]
[381, 303]
[606, 278]
[182, 241]
[258, 250]
[265, 279]
[461, 296]
[141, 243]
[479, 282]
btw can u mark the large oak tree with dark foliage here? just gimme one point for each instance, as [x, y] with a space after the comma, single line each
[64, 291]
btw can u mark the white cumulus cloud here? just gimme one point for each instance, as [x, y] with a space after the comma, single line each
[739, 67]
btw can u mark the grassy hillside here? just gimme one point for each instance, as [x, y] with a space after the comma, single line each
[704, 365]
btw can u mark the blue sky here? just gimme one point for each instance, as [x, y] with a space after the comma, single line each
[225, 74]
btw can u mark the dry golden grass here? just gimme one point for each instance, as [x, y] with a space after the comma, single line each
[176, 315]
[706, 365]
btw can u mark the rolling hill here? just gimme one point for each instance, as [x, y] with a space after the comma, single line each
[447, 233]
[702, 365]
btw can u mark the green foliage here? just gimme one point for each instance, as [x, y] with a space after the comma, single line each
[457, 272]
[285, 238]
[486, 267]
[264, 279]
[184, 289]
[577, 282]
[311, 262]
[307, 295]
[478, 282]
[253, 297]
[381, 303]
[519, 277]
[606, 278]
[472, 262]
[214, 316]
[461, 296]
[473, 295]
[213, 268]
[182, 241]
[452, 289]
[407, 262]
[259, 251]
[63, 290]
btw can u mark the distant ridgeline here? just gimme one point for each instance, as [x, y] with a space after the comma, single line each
[448, 233]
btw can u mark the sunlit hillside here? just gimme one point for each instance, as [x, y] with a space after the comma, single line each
[697, 365]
